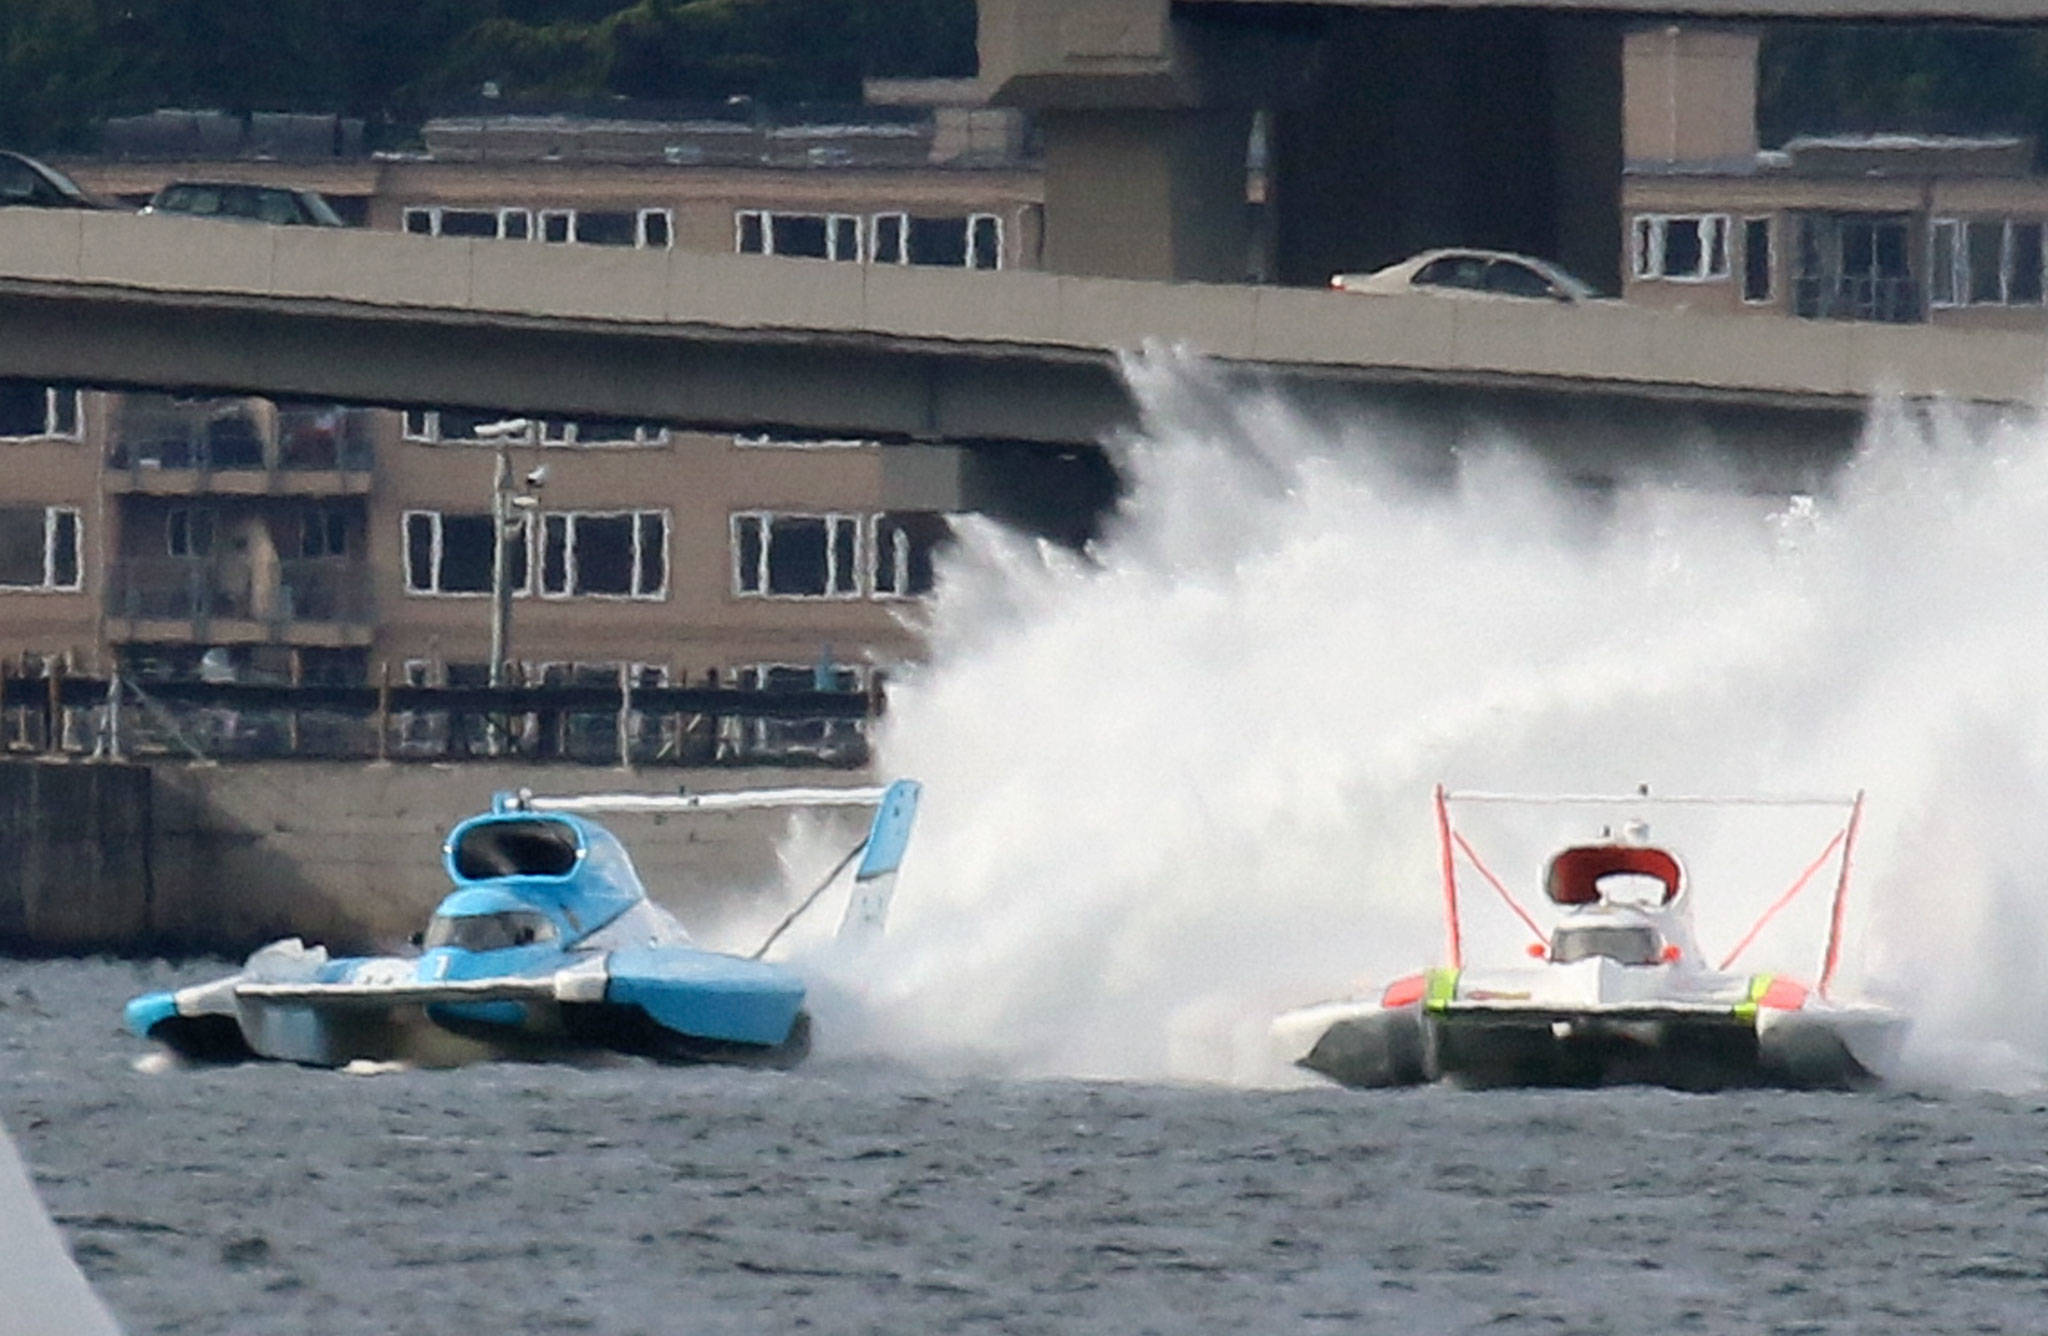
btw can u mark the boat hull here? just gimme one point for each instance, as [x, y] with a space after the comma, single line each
[1372, 1047]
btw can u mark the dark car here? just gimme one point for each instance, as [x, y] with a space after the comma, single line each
[24, 182]
[286, 206]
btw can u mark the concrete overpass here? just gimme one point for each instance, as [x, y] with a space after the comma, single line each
[1389, 126]
[746, 343]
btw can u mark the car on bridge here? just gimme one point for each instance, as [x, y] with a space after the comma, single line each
[24, 182]
[1471, 273]
[286, 206]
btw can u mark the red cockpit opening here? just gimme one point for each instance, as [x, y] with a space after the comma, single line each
[1574, 874]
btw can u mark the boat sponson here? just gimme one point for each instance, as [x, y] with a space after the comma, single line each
[1685, 1050]
[1372, 1051]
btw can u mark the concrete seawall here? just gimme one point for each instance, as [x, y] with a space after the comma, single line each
[176, 859]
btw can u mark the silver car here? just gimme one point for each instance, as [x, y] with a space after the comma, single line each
[1470, 273]
[286, 206]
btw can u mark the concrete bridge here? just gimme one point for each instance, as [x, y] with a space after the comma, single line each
[748, 343]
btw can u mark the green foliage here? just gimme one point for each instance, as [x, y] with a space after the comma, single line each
[1958, 80]
[65, 65]
[54, 76]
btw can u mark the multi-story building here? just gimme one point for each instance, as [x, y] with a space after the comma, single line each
[328, 543]
[1885, 227]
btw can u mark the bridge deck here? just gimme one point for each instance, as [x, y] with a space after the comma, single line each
[374, 317]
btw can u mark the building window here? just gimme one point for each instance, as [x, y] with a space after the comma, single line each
[1680, 248]
[450, 554]
[646, 228]
[972, 242]
[2022, 263]
[30, 412]
[904, 544]
[490, 223]
[1756, 260]
[447, 426]
[601, 433]
[820, 739]
[1944, 255]
[188, 531]
[1984, 262]
[39, 547]
[795, 556]
[467, 223]
[657, 228]
[323, 532]
[604, 555]
[605, 228]
[810, 236]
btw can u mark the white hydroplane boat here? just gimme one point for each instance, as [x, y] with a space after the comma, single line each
[1618, 990]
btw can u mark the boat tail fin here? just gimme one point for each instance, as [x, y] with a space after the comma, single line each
[874, 882]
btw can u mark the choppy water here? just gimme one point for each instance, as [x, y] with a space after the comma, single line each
[1175, 785]
[856, 1197]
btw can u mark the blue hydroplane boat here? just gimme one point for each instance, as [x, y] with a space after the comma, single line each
[547, 944]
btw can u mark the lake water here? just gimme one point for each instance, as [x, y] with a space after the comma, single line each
[857, 1196]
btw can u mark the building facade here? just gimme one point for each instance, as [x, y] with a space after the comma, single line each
[1896, 228]
[236, 537]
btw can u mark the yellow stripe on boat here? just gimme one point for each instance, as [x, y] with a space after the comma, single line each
[1759, 984]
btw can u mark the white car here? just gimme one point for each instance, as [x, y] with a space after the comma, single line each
[1470, 273]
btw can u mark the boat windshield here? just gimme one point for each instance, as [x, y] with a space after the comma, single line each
[489, 932]
[1629, 944]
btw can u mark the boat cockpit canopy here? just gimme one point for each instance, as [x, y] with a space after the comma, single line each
[523, 847]
[1623, 943]
[489, 932]
[1576, 875]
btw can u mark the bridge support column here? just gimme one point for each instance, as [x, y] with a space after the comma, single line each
[1423, 129]
[1147, 193]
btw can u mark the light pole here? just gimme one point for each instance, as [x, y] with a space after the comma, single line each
[502, 434]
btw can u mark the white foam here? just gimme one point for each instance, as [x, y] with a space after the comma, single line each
[1181, 783]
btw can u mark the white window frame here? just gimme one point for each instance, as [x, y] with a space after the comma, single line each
[668, 218]
[1958, 262]
[567, 434]
[902, 235]
[1647, 241]
[2009, 256]
[1770, 296]
[900, 567]
[434, 560]
[434, 213]
[428, 429]
[537, 536]
[52, 431]
[968, 222]
[765, 220]
[1965, 279]
[974, 218]
[767, 518]
[1958, 229]
[545, 216]
[49, 583]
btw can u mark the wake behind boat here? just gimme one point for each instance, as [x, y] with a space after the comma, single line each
[547, 944]
[1619, 992]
